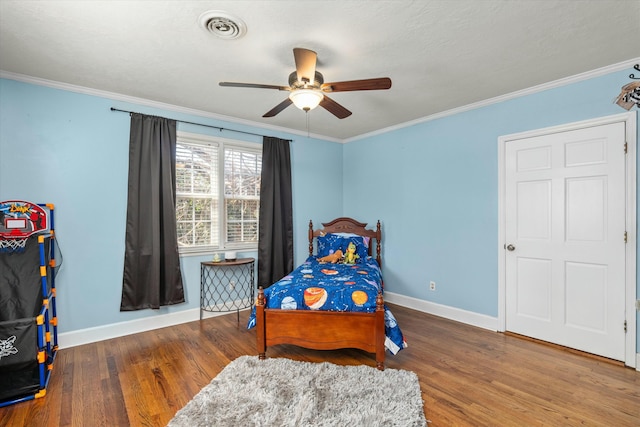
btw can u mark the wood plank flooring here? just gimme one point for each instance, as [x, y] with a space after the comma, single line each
[469, 376]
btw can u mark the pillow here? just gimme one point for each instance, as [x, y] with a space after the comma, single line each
[329, 243]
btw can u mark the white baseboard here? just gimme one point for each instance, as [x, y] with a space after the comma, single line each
[448, 312]
[115, 330]
[452, 313]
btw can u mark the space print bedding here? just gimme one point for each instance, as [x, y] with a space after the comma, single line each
[318, 285]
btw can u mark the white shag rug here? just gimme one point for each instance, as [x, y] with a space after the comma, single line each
[282, 392]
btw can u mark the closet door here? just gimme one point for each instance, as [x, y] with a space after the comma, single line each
[565, 234]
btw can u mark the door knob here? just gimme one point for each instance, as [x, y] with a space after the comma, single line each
[511, 248]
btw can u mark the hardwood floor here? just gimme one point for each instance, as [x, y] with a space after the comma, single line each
[468, 376]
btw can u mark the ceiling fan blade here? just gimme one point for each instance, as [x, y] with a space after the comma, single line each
[305, 64]
[275, 110]
[334, 108]
[254, 85]
[366, 84]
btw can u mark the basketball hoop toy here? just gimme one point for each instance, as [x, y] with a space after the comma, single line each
[29, 331]
[18, 221]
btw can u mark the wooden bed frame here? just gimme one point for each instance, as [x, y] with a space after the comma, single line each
[326, 330]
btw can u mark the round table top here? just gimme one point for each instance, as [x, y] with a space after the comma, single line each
[227, 263]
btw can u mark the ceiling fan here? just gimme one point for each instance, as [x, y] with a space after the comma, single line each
[308, 89]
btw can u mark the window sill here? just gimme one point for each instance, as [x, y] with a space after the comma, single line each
[209, 250]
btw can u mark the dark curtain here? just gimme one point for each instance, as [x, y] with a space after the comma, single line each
[275, 245]
[152, 276]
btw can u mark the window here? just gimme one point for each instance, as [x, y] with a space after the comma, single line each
[218, 193]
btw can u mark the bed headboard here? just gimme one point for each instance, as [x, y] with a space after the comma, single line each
[349, 225]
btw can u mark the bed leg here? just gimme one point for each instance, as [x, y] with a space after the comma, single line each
[260, 325]
[380, 336]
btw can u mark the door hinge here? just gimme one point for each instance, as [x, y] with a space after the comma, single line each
[626, 147]
[625, 237]
[625, 326]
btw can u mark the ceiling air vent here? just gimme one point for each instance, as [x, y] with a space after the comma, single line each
[222, 24]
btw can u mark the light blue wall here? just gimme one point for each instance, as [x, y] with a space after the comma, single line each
[69, 149]
[435, 188]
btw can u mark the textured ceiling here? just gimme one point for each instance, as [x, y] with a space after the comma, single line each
[440, 54]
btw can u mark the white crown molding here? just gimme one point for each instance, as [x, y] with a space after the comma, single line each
[155, 104]
[141, 101]
[517, 94]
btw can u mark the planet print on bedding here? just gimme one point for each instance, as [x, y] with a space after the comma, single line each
[288, 303]
[315, 298]
[359, 297]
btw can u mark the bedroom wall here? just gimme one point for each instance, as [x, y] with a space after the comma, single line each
[434, 186]
[68, 148]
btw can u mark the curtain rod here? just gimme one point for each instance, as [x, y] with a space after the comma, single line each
[201, 124]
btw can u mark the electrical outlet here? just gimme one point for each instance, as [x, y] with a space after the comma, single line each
[432, 286]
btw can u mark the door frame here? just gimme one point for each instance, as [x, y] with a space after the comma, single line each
[629, 119]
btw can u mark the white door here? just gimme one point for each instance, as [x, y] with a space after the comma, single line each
[565, 234]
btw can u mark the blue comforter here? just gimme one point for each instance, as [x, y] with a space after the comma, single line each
[333, 287]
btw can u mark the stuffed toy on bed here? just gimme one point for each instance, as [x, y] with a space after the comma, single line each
[351, 256]
[332, 258]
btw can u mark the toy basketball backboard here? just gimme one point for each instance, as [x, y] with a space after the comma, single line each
[20, 219]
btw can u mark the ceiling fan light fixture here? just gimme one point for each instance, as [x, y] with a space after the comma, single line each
[306, 99]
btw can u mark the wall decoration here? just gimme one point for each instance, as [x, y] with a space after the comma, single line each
[630, 93]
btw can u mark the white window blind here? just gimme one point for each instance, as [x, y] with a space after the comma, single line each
[218, 193]
[242, 194]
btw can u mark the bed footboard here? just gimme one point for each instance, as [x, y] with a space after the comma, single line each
[321, 330]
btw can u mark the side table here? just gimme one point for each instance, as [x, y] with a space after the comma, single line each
[226, 285]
